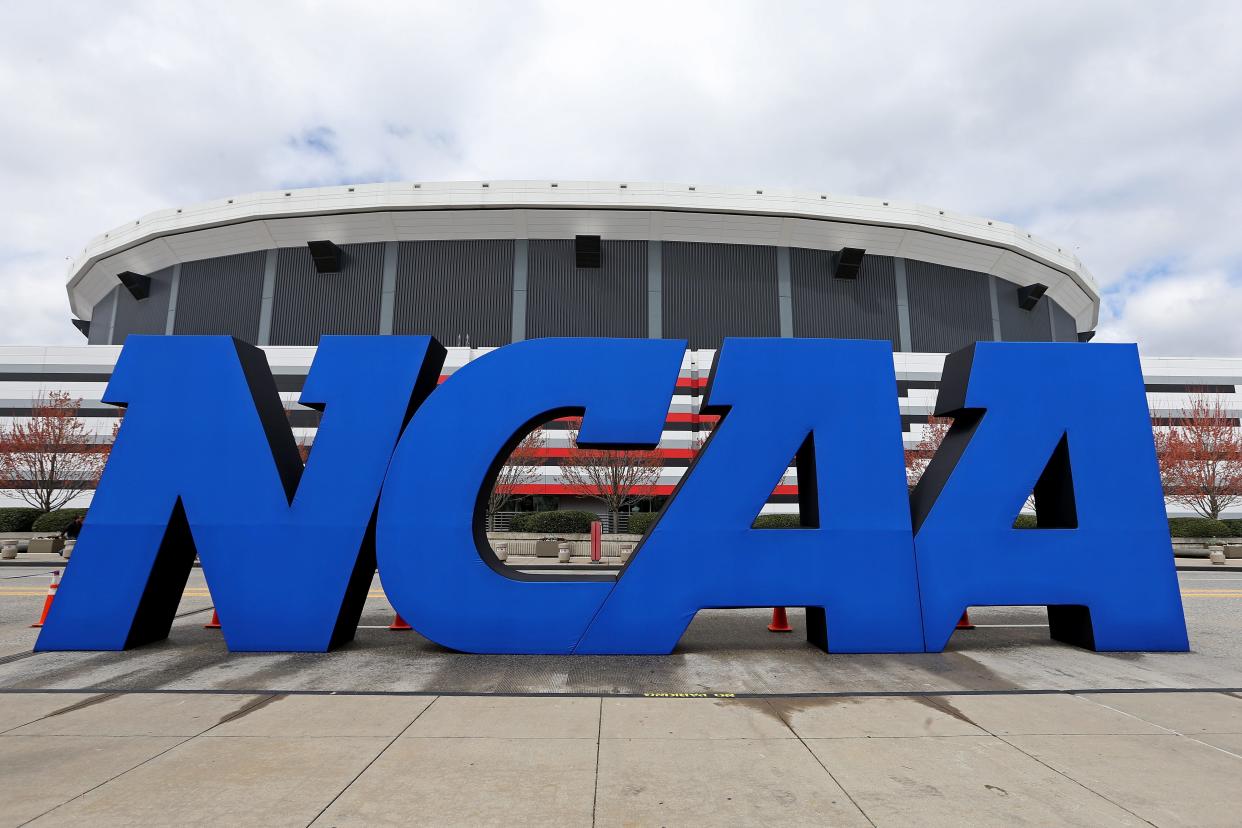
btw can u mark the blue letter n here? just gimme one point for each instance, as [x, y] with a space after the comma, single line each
[206, 462]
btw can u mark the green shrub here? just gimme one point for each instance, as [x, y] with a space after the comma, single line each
[1025, 522]
[17, 520]
[1235, 527]
[57, 521]
[784, 521]
[1198, 527]
[566, 521]
[641, 522]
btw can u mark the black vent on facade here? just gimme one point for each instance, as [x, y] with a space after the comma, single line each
[587, 251]
[326, 256]
[849, 262]
[1029, 296]
[1086, 336]
[83, 327]
[138, 285]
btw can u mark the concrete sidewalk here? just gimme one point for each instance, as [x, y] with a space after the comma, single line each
[726, 651]
[986, 759]
[1005, 727]
[1188, 564]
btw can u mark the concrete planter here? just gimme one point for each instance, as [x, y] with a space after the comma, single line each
[502, 551]
[8, 550]
[68, 550]
[22, 539]
[562, 553]
[523, 544]
[46, 546]
[1198, 547]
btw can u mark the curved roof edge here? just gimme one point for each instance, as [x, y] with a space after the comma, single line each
[351, 213]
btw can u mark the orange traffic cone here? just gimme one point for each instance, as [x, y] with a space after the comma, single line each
[398, 623]
[215, 621]
[47, 602]
[964, 623]
[780, 621]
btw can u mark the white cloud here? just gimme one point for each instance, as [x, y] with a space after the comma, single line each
[1111, 128]
[1192, 314]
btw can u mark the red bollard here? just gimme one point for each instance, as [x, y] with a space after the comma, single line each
[780, 621]
[215, 621]
[597, 542]
[47, 602]
[398, 624]
[963, 623]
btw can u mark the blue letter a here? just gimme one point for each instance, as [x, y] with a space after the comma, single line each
[833, 403]
[205, 461]
[1070, 423]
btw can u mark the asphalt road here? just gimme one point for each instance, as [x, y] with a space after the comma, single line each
[724, 651]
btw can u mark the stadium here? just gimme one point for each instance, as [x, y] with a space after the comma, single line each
[483, 264]
[495, 262]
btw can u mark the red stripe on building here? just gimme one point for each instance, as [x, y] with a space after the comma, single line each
[562, 489]
[691, 417]
[683, 383]
[565, 451]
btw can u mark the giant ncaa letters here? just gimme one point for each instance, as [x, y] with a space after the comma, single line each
[205, 463]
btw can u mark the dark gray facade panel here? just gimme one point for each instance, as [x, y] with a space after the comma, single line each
[1019, 325]
[565, 300]
[221, 296]
[101, 319]
[454, 290]
[463, 291]
[949, 308]
[862, 308]
[307, 304]
[710, 291]
[149, 316]
[1064, 328]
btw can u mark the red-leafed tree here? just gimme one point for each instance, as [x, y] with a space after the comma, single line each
[920, 456]
[302, 441]
[51, 456]
[521, 469]
[1200, 455]
[620, 478]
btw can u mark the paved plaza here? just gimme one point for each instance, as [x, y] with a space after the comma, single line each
[739, 726]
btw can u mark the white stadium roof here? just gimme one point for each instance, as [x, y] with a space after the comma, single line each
[409, 211]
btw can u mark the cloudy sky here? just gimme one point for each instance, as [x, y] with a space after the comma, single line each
[1112, 128]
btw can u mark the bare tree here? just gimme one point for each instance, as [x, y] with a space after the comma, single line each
[619, 477]
[920, 456]
[521, 469]
[1200, 457]
[51, 456]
